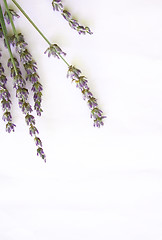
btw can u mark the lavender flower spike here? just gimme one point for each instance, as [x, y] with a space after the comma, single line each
[82, 84]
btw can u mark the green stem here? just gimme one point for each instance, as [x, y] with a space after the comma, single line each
[33, 24]
[10, 17]
[4, 29]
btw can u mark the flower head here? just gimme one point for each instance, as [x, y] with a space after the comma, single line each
[29, 119]
[57, 5]
[7, 116]
[13, 15]
[40, 153]
[54, 50]
[33, 130]
[10, 127]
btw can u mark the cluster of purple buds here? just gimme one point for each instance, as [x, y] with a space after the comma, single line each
[55, 51]
[22, 95]
[58, 6]
[82, 84]
[5, 101]
[31, 70]
[13, 15]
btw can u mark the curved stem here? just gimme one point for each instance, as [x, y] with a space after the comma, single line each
[38, 30]
[4, 29]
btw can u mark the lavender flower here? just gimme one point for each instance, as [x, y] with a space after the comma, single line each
[10, 63]
[19, 80]
[54, 50]
[33, 130]
[33, 78]
[31, 69]
[38, 141]
[57, 5]
[22, 93]
[40, 153]
[29, 119]
[7, 116]
[37, 87]
[10, 127]
[66, 15]
[13, 15]
[82, 84]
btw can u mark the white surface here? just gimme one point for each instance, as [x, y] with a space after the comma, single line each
[97, 184]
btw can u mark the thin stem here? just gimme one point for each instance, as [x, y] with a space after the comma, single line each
[10, 17]
[33, 24]
[4, 29]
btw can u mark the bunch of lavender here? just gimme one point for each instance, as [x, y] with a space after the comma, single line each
[17, 42]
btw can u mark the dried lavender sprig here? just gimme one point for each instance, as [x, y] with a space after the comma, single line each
[82, 84]
[19, 83]
[73, 23]
[31, 70]
[5, 101]
[22, 95]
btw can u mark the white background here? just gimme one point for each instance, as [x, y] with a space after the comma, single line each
[97, 184]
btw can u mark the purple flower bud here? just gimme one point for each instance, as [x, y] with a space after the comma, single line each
[81, 30]
[13, 15]
[98, 122]
[25, 56]
[6, 104]
[38, 96]
[96, 113]
[88, 30]
[38, 108]
[40, 153]
[81, 83]
[73, 24]
[13, 74]
[7, 116]
[19, 81]
[33, 130]
[22, 93]
[30, 67]
[10, 127]
[26, 108]
[38, 141]
[73, 72]
[21, 46]
[30, 119]
[37, 87]
[92, 102]
[54, 50]
[3, 80]
[32, 77]
[57, 5]
[10, 64]
[4, 93]
[66, 15]
[86, 94]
